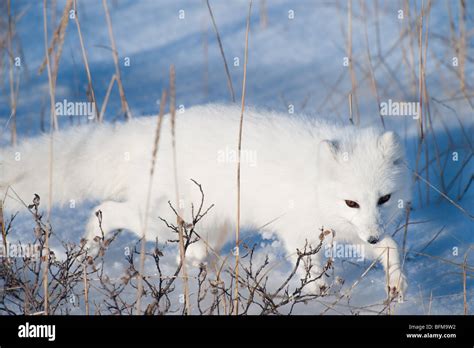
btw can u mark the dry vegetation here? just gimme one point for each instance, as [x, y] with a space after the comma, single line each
[80, 278]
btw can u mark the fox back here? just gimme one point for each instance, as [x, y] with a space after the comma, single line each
[297, 173]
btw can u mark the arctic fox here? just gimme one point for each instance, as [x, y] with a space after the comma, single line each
[297, 176]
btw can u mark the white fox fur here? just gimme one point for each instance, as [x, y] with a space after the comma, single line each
[296, 174]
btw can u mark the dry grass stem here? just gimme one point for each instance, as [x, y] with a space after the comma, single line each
[239, 149]
[147, 206]
[123, 99]
[86, 62]
[221, 48]
[182, 255]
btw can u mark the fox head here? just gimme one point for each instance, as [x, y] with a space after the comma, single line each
[364, 185]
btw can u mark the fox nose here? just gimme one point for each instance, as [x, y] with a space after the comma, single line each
[373, 240]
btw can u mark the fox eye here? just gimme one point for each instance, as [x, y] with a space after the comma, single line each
[384, 199]
[352, 204]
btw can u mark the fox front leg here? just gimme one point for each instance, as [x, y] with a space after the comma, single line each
[386, 251]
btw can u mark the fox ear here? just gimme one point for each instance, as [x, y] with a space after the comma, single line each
[389, 144]
[328, 149]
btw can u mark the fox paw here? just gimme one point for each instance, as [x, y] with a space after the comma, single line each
[397, 285]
